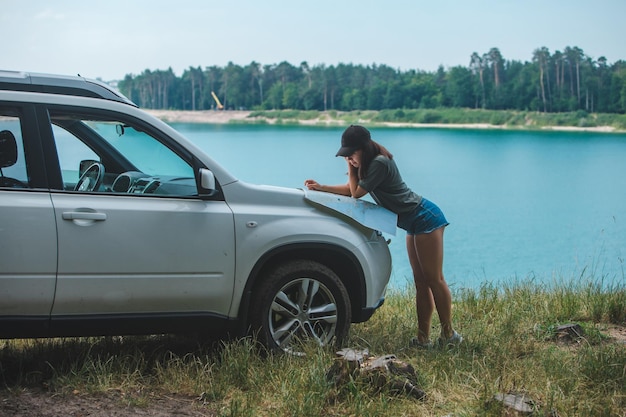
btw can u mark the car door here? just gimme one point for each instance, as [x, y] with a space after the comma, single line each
[137, 241]
[28, 249]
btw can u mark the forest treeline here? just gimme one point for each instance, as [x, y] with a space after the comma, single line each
[563, 81]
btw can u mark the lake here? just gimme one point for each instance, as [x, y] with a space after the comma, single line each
[543, 206]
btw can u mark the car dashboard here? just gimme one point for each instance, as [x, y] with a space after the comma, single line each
[135, 182]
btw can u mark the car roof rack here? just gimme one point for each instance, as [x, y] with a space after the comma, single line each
[59, 84]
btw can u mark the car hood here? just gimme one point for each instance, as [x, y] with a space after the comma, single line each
[366, 213]
[241, 194]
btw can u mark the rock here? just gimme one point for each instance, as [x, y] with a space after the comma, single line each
[518, 402]
[571, 332]
[383, 372]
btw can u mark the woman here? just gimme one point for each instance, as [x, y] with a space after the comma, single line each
[371, 169]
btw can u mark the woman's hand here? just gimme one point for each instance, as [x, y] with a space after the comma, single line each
[312, 185]
[343, 189]
[353, 171]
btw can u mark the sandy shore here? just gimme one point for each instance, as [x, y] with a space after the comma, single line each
[234, 116]
[200, 116]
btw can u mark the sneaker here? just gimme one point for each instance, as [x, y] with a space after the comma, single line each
[454, 340]
[415, 342]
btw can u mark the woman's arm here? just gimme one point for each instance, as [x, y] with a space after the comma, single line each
[353, 183]
[342, 189]
[351, 189]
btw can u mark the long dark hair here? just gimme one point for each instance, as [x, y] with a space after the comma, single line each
[370, 151]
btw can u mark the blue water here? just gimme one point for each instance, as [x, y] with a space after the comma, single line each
[543, 206]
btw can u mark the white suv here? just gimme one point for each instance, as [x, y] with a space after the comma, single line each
[112, 223]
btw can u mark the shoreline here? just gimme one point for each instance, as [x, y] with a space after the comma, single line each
[243, 116]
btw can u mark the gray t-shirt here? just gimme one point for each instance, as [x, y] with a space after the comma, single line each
[385, 185]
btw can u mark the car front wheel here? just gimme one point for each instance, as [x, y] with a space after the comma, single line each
[300, 301]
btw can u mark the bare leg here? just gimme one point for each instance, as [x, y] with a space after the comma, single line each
[424, 303]
[426, 257]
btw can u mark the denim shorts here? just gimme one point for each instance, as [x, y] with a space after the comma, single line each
[426, 218]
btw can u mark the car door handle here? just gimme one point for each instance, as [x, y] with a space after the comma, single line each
[82, 215]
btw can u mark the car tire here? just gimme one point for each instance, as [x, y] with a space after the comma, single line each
[298, 302]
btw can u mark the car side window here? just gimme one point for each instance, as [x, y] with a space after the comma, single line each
[106, 155]
[72, 152]
[13, 167]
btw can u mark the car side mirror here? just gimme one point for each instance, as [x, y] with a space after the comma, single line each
[84, 164]
[207, 183]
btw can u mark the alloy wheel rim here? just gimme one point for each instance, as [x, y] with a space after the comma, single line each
[303, 309]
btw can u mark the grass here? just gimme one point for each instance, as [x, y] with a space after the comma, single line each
[510, 345]
[450, 116]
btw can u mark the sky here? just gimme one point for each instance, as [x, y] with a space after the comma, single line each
[111, 39]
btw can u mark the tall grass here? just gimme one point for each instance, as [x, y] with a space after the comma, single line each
[510, 345]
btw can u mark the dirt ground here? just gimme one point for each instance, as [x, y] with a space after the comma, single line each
[39, 403]
[618, 333]
[33, 403]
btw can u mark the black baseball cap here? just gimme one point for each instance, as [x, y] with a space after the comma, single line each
[353, 138]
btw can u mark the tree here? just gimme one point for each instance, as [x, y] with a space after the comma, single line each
[558, 62]
[194, 78]
[213, 83]
[232, 88]
[574, 56]
[477, 66]
[290, 99]
[541, 57]
[604, 82]
[255, 73]
[494, 57]
[565, 81]
[459, 87]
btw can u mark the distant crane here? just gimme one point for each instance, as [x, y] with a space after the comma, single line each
[217, 101]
